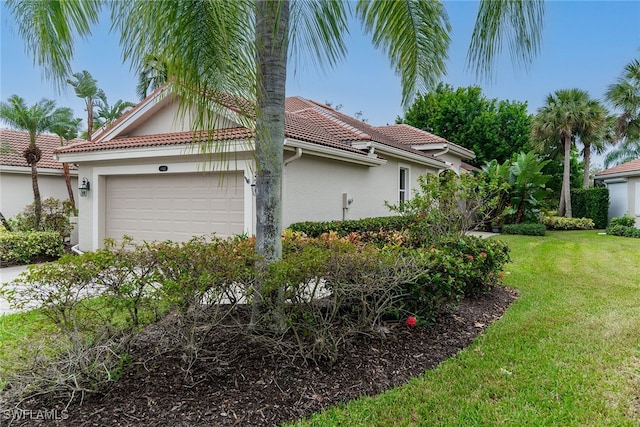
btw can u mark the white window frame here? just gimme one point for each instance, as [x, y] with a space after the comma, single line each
[403, 193]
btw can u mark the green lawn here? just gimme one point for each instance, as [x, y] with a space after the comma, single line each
[566, 353]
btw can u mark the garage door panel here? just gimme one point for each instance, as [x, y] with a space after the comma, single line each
[174, 207]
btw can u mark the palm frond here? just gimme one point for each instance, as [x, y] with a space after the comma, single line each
[414, 35]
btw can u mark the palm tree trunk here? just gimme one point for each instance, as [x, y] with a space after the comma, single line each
[4, 222]
[37, 201]
[587, 165]
[89, 119]
[566, 176]
[67, 179]
[272, 21]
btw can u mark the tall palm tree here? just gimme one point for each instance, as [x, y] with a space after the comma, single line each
[624, 95]
[153, 74]
[241, 48]
[34, 120]
[569, 115]
[86, 87]
[597, 132]
[66, 127]
[107, 114]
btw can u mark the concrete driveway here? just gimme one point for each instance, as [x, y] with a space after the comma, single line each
[8, 275]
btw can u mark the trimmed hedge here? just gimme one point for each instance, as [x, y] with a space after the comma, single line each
[562, 223]
[621, 230]
[344, 228]
[24, 247]
[591, 203]
[527, 229]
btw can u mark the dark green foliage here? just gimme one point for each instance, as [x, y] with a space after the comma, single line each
[621, 230]
[27, 246]
[623, 226]
[626, 221]
[343, 228]
[527, 229]
[591, 203]
[492, 129]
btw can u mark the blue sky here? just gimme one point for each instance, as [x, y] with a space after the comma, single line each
[585, 44]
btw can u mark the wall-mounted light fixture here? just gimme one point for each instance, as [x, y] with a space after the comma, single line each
[84, 188]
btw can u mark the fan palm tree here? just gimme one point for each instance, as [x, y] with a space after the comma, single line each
[86, 87]
[66, 127]
[107, 114]
[241, 48]
[35, 120]
[154, 73]
[598, 132]
[567, 115]
[624, 95]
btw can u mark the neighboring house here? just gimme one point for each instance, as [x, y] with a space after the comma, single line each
[623, 182]
[150, 180]
[16, 190]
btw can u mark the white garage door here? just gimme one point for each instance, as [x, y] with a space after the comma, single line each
[174, 207]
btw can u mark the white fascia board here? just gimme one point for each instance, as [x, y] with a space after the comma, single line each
[235, 146]
[453, 148]
[135, 115]
[41, 171]
[397, 152]
[334, 153]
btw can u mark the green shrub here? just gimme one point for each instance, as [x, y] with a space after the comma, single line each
[343, 228]
[55, 217]
[626, 221]
[25, 247]
[527, 229]
[591, 203]
[562, 223]
[621, 230]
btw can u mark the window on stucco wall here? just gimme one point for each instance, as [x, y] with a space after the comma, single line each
[403, 185]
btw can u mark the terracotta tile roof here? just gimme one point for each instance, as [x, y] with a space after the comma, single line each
[18, 141]
[632, 166]
[344, 127]
[300, 127]
[410, 135]
[176, 138]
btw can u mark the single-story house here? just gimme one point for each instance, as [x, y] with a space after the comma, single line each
[16, 190]
[623, 182]
[149, 178]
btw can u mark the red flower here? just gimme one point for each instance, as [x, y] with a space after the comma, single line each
[411, 321]
[483, 254]
[500, 276]
[470, 257]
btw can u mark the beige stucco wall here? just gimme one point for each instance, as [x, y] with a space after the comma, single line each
[313, 188]
[16, 191]
[169, 119]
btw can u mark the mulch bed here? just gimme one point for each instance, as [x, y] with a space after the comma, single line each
[248, 389]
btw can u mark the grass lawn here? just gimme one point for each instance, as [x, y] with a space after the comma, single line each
[566, 353]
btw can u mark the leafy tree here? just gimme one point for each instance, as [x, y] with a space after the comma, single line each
[86, 87]
[35, 120]
[107, 114]
[241, 48]
[528, 186]
[567, 114]
[492, 129]
[66, 127]
[624, 95]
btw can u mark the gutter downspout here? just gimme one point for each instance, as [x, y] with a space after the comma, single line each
[76, 250]
[294, 157]
[445, 151]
